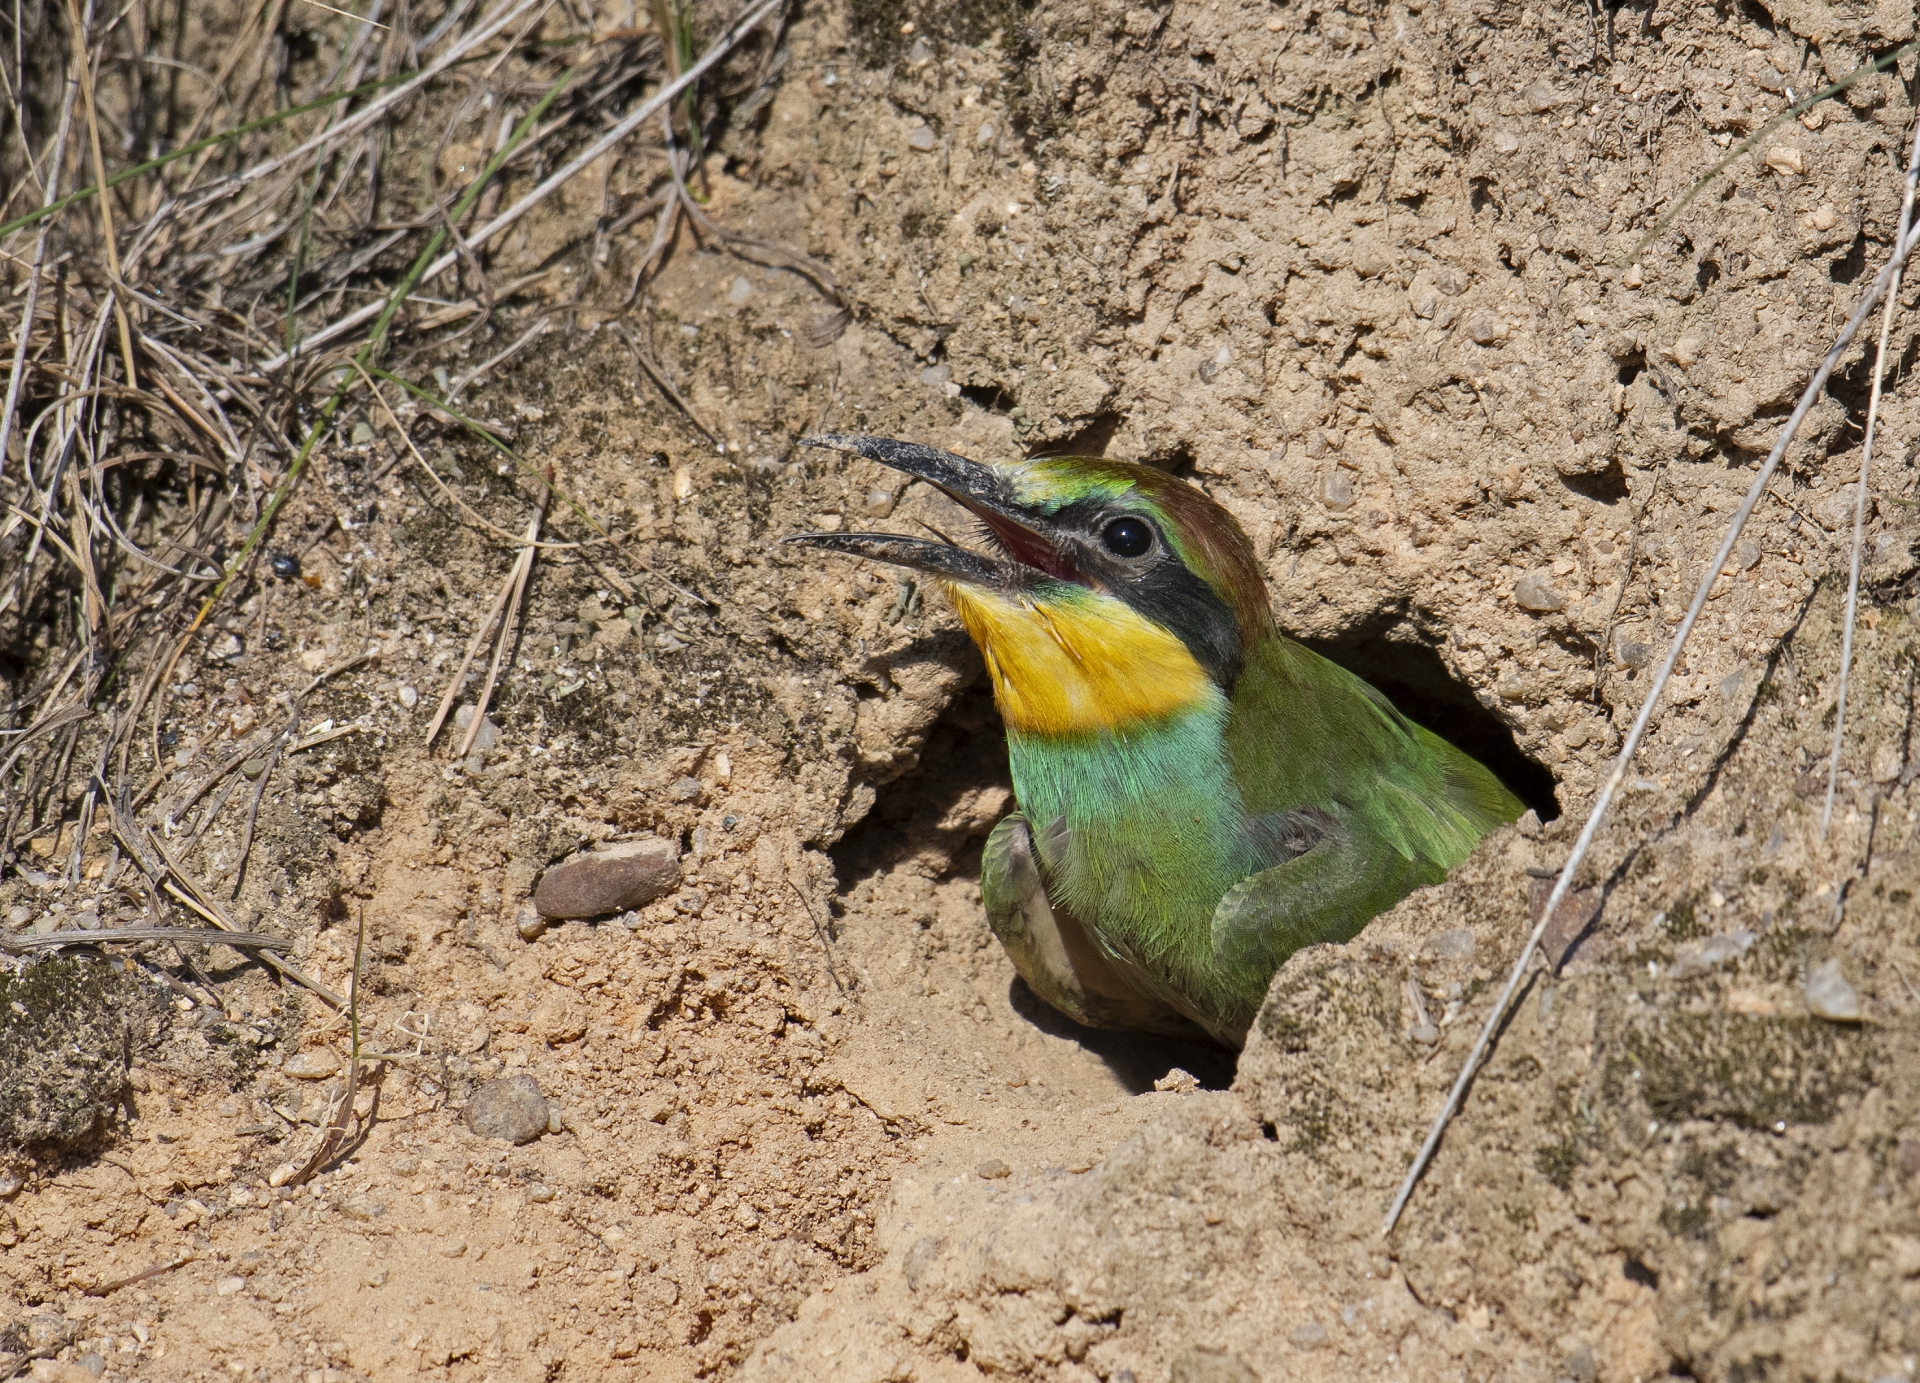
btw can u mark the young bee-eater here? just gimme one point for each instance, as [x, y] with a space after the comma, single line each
[1199, 796]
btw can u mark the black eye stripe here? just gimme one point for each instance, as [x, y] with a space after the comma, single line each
[1127, 537]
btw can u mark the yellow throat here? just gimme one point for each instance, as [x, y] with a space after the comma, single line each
[1079, 665]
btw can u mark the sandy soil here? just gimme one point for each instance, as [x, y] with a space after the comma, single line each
[1355, 272]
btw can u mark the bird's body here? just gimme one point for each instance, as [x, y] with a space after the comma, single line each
[1199, 795]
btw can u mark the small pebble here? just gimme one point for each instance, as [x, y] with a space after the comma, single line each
[229, 1286]
[253, 768]
[1485, 329]
[1209, 1364]
[509, 1108]
[1309, 1336]
[409, 697]
[1336, 490]
[19, 915]
[986, 135]
[530, 924]
[993, 1169]
[540, 1193]
[488, 738]
[923, 140]
[1535, 592]
[609, 880]
[920, 54]
[1829, 996]
[741, 290]
[1541, 97]
[315, 1063]
[362, 434]
[1786, 160]
[1455, 944]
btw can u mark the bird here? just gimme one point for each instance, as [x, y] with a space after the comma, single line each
[1197, 795]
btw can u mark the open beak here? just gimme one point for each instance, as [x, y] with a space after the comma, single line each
[1028, 549]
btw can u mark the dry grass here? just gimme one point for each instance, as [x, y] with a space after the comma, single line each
[290, 194]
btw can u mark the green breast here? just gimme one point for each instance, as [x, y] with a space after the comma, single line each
[1139, 831]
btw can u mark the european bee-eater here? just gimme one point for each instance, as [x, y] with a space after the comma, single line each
[1199, 796]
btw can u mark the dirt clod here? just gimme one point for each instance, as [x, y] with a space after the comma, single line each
[511, 1108]
[69, 1029]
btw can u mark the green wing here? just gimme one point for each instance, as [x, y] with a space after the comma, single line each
[1306, 734]
[1345, 880]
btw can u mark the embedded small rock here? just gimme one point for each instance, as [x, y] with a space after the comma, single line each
[1456, 944]
[1210, 1364]
[511, 1108]
[1486, 329]
[1829, 996]
[1535, 592]
[993, 1169]
[1336, 491]
[609, 880]
[922, 140]
[1309, 1336]
[316, 1063]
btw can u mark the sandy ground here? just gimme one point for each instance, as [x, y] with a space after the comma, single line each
[1355, 272]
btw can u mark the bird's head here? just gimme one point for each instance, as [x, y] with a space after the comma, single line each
[1110, 592]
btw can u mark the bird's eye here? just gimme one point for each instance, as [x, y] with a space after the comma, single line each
[1127, 537]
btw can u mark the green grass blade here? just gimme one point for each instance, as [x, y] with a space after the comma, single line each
[1879, 64]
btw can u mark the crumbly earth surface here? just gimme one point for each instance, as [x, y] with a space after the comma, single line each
[1360, 273]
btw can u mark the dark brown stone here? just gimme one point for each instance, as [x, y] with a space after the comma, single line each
[609, 880]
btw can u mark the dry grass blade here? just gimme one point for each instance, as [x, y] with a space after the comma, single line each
[73, 936]
[337, 1139]
[84, 66]
[651, 368]
[510, 625]
[598, 149]
[29, 312]
[493, 362]
[1611, 786]
[459, 679]
[1860, 494]
[198, 897]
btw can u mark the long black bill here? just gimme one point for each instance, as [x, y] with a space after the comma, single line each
[940, 560]
[970, 482]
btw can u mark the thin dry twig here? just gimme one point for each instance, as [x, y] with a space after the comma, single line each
[107, 1289]
[1860, 495]
[1618, 776]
